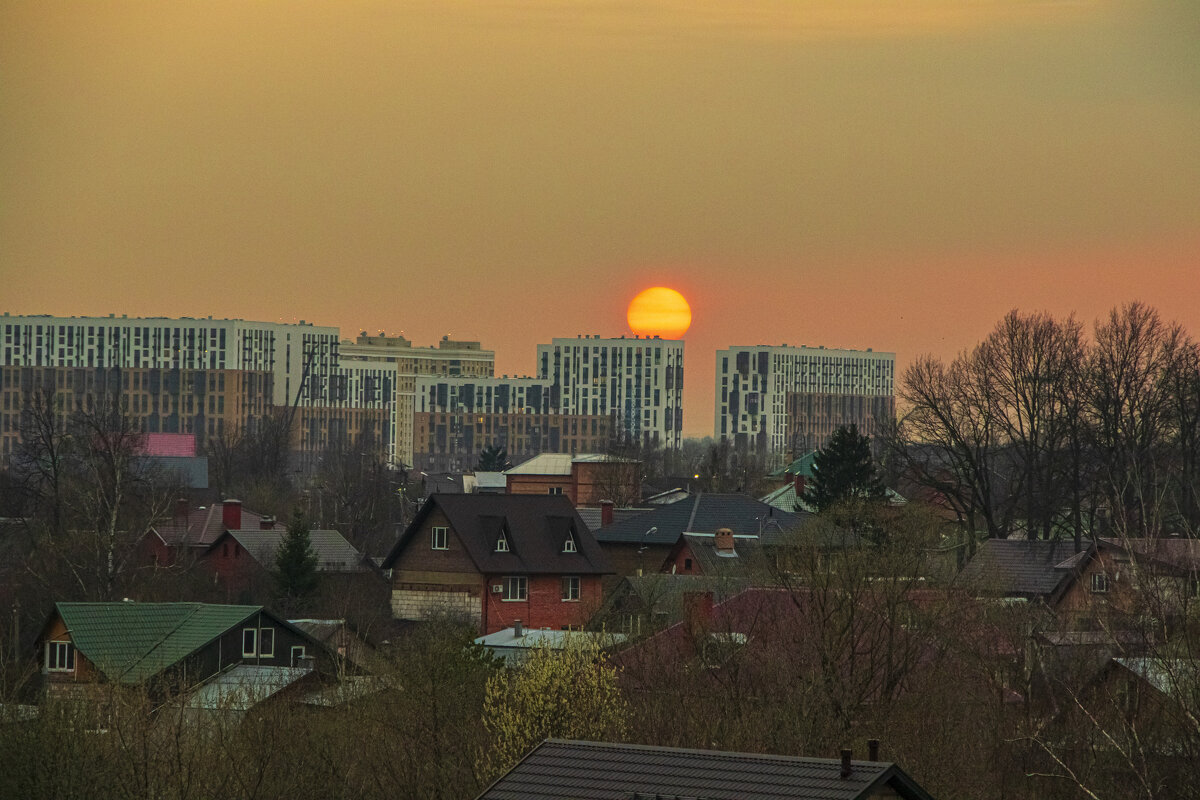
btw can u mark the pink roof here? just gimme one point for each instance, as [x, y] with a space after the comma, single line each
[170, 444]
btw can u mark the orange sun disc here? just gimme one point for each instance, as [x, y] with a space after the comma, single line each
[659, 311]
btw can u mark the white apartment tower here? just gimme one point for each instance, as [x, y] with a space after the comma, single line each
[637, 381]
[780, 401]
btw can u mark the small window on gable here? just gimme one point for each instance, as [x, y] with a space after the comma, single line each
[266, 642]
[60, 657]
[502, 543]
[687, 565]
[569, 544]
[440, 538]
[297, 654]
[1099, 582]
[249, 642]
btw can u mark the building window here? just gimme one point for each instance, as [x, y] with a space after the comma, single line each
[687, 565]
[570, 587]
[515, 588]
[1099, 583]
[569, 544]
[249, 642]
[555, 490]
[502, 543]
[440, 539]
[297, 654]
[266, 642]
[60, 657]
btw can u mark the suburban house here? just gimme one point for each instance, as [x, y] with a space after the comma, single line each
[641, 543]
[515, 644]
[719, 554]
[586, 479]
[191, 531]
[166, 646]
[498, 559]
[242, 560]
[601, 771]
[642, 604]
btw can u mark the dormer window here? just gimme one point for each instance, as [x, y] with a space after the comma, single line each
[569, 544]
[502, 543]
[60, 657]
[1099, 583]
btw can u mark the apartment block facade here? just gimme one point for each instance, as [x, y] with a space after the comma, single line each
[638, 382]
[778, 401]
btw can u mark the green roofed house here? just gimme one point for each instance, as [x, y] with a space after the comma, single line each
[165, 645]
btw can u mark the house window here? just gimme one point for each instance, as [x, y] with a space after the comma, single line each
[555, 490]
[570, 587]
[1099, 583]
[502, 543]
[249, 642]
[297, 654]
[266, 642]
[687, 565]
[440, 538]
[60, 657]
[515, 588]
[569, 544]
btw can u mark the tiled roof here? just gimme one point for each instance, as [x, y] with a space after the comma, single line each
[702, 513]
[597, 771]
[201, 526]
[591, 515]
[544, 464]
[130, 642]
[801, 466]
[747, 556]
[334, 553]
[244, 686]
[535, 527]
[1021, 568]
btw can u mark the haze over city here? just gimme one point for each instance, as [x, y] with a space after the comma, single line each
[849, 175]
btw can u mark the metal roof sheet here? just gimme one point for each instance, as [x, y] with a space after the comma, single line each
[244, 687]
[701, 513]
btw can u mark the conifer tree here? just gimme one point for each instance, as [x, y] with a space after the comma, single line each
[296, 577]
[843, 471]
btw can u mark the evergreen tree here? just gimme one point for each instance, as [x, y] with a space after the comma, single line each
[493, 458]
[844, 471]
[296, 576]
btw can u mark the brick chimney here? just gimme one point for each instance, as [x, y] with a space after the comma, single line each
[181, 509]
[266, 523]
[724, 540]
[698, 610]
[800, 482]
[846, 767]
[606, 512]
[231, 515]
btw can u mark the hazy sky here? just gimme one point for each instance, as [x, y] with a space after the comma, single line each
[894, 175]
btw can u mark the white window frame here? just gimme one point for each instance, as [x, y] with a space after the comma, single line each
[516, 589]
[502, 543]
[64, 652]
[297, 654]
[555, 490]
[440, 533]
[571, 589]
[252, 650]
[1100, 583]
[266, 635]
[569, 544]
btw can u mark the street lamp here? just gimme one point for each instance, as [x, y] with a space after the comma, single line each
[642, 550]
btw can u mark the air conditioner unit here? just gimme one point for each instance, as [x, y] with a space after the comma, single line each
[497, 588]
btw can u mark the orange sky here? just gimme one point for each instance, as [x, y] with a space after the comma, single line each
[854, 174]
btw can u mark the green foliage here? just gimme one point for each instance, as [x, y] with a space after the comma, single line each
[844, 471]
[570, 693]
[296, 577]
[493, 458]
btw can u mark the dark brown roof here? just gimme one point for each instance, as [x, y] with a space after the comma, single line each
[1021, 568]
[597, 771]
[535, 526]
[202, 526]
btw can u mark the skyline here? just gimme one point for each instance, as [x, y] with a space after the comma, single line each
[849, 177]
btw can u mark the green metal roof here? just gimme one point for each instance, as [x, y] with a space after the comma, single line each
[801, 466]
[131, 642]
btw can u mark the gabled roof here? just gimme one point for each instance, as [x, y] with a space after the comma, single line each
[598, 771]
[131, 642]
[1176, 554]
[747, 556]
[702, 513]
[244, 686]
[801, 466]
[1170, 676]
[201, 526]
[1021, 568]
[535, 526]
[560, 463]
[334, 553]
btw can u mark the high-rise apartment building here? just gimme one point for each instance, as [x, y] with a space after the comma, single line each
[780, 401]
[636, 381]
[200, 376]
[450, 359]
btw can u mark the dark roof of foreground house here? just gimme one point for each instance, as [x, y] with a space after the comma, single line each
[535, 529]
[131, 642]
[1020, 568]
[557, 769]
[701, 513]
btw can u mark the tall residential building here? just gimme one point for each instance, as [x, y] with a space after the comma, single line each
[456, 418]
[450, 359]
[780, 401]
[192, 375]
[636, 381]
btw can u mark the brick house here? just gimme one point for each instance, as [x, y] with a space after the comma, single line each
[498, 559]
[586, 479]
[190, 532]
[242, 561]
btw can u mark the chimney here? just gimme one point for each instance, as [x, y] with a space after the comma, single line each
[872, 749]
[518, 629]
[231, 515]
[266, 524]
[698, 609]
[800, 483]
[846, 756]
[606, 512]
[724, 540]
[181, 509]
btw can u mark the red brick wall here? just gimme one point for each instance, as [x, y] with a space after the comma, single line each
[543, 606]
[541, 484]
[684, 562]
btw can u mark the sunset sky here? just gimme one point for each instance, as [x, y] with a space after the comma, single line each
[894, 175]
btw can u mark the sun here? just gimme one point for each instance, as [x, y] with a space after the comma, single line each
[659, 311]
